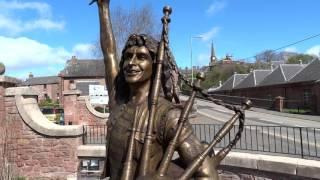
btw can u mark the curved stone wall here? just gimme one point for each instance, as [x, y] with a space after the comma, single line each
[36, 147]
[27, 106]
[93, 111]
[78, 110]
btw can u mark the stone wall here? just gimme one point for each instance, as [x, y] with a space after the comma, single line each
[33, 152]
[2, 113]
[263, 96]
[78, 110]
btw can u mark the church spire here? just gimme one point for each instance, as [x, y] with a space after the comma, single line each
[213, 58]
[213, 53]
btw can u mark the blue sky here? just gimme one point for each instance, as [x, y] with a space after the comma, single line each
[39, 36]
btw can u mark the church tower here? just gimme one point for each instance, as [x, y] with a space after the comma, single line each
[213, 58]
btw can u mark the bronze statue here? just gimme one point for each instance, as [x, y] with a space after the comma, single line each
[2, 68]
[145, 127]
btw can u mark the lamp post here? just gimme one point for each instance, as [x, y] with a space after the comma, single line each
[192, 37]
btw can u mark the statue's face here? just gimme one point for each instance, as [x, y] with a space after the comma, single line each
[137, 66]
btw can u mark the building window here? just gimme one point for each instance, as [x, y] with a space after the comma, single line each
[44, 86]
[306, 96]
[46, 96]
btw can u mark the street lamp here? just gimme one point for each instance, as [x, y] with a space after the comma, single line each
[193, 37]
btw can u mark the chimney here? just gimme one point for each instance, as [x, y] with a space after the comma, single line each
[73, 59]
[30, 75]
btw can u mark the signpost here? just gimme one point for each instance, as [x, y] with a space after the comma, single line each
[98, 95]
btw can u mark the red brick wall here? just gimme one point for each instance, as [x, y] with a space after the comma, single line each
[293, 94]
[71, 114]
[35, 155]
[51, 90]
[316, 91]
[76, 112]
[2, 114]
[86, 117]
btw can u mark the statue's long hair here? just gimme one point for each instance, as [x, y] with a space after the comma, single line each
[167, 80]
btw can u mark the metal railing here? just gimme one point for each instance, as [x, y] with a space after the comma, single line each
[94, 134]
[303, 142]
[297, 141]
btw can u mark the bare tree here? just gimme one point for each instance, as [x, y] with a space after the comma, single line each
[266, 56]
[126, 22]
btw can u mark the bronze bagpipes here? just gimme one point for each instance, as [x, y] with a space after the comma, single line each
[149, 138]
[145, 154]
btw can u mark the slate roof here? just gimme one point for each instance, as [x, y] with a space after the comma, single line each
[310, 73]
[253, 79]
[276, 64]
[282, 74]
[83, 68]
[233, 81]
[41, 80]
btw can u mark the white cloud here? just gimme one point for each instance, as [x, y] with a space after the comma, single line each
[13, 18]
[291, 49]
[315, 50]
[83, 51]
[215, 6]
[22, 55]
[210, 34]
[22, 51]
[42, 8]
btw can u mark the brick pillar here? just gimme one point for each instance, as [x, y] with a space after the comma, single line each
[316, 98]
[71, 114]
[2, 113]
[278, 103]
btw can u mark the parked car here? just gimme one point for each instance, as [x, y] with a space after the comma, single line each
[54, 114]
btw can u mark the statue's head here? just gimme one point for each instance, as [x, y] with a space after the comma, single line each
[138, 58]
[137, 65]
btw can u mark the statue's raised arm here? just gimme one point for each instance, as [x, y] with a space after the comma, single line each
[108, 47]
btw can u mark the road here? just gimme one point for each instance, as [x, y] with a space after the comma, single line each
[218, 114]
[263, 131]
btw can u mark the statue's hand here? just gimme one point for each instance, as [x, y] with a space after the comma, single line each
[100, 2]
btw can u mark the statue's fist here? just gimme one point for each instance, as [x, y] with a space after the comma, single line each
[100, 2]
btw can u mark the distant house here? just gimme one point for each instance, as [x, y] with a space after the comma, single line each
[298, 84]
[282, 74]
[232, 82]
[253, 79]
[79, 74]
[48, 87]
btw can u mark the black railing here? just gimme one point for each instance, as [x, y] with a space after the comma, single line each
[297, 141]
[94, 134]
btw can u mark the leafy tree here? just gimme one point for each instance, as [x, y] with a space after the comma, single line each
[222, 72]
[305, 58]
[48, 103]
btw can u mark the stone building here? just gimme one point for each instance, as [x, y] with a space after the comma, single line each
[48, 87]
[75, 80]
[79, 74]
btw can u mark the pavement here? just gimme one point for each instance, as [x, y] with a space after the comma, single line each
[300, 116]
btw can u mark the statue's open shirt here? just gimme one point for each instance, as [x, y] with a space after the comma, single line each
[121, 121]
